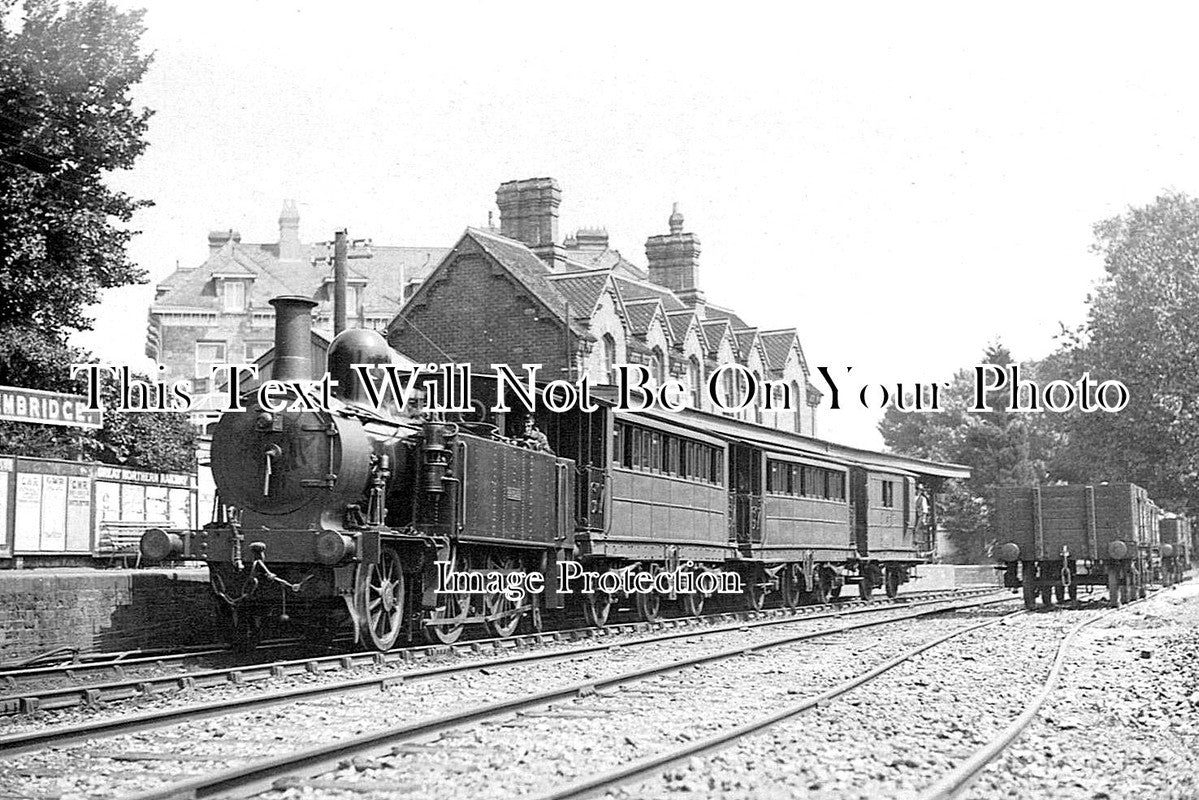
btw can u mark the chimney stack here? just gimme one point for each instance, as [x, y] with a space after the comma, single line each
[290, 248]
[217, 239]
[529, 214]
[674, 261]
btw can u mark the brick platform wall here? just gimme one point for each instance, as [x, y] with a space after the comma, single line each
[102, 610]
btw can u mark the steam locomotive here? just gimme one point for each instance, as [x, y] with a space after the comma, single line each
[340, 515]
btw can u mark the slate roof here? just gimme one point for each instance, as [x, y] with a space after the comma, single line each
[581, 289]
[384, 273]
[723, 313]
[641, 313]
[633, 290]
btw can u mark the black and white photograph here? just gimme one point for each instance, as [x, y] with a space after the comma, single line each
[632, 400]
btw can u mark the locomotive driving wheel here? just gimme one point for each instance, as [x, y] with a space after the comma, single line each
[379, 593]
[450, 618]
[503, 614]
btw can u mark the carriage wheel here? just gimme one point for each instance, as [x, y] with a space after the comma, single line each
[379, 592]
[506, 618]
[693, 603]
[823, 590]
[1113, 588]
[793, 585]
[892, 582]
[649, 606]
[755, 593]
[596, 607]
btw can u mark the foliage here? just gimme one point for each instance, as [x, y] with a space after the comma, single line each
[1143, 329]
[997, 446]
[160, 442]
[66, 119]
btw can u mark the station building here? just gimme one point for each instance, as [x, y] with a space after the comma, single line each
[518, 294]
[217, 311]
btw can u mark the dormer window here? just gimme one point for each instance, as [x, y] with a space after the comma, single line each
[233, 296]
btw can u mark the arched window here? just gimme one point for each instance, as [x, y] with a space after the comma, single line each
[697, 382]
[657, 366]
[609, 344]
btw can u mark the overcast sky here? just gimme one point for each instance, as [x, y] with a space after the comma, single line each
[903, 183]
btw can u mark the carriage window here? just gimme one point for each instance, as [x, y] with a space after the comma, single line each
[618, 454]
[888, 494]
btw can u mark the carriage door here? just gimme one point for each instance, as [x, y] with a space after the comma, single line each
[746, 495]
[860, 492]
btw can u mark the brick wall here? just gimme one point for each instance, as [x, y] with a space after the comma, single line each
[109, 610]
[475, 312]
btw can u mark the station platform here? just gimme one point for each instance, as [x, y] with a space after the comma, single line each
[109, 610]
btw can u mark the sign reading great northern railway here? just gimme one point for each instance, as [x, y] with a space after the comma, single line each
[47, 408]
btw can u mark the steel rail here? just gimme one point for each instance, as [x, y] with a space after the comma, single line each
[89, 694]
[258, 777]
[641, 767]
[61, 735]
[960, 779]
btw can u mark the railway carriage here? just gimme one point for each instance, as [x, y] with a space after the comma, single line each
[350, 513]
[1052, 539]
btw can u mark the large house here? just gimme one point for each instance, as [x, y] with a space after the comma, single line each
[518, 295]
[217, 311]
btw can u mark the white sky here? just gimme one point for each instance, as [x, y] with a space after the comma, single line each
[904, 183]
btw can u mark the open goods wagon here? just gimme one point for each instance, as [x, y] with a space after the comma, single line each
[1053, 539]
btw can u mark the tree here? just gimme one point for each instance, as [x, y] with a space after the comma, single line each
[66, 120]
[997, 446]
[1143, 329]
[163, 442]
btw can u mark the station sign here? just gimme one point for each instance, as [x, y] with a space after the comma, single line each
[47, 408]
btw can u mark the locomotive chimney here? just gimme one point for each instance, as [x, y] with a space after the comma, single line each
[293, 333]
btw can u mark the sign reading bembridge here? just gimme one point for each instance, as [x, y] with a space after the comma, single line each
[446, 388]
[48, 408]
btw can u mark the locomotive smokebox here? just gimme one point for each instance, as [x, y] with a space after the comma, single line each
[293, 332]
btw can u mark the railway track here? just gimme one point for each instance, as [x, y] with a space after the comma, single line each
[249, 778]
[61, 687]
[952, 785]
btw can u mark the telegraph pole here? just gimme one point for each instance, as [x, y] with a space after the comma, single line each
[340, 251]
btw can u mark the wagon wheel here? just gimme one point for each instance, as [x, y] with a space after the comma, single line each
[793, 585]
[1047, 596]
[1113, 588]
[379, 593]
[1125, 588]
[1142, 587]
[866, 585]
[755, 593]
[506, 618]
[892, 582]
[834, 586]
[1072, 592]
[1059, 593]
[693, 603]
[596, 607]
[1030, 592]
